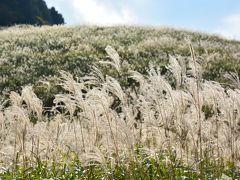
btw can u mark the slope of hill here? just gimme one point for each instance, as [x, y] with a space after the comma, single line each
[27, 54]
[33, 12]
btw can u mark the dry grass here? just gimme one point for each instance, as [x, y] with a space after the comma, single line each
[103, 122]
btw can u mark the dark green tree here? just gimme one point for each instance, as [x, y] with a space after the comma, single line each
[28, 12]
[56, 17]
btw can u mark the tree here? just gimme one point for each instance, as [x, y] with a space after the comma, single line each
[28, 12]
[56, 17]
[9, 13]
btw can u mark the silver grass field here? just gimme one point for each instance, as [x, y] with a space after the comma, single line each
[101, 122]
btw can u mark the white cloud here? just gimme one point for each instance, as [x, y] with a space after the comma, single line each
[103, 13]
[230, 27]
[99, 12]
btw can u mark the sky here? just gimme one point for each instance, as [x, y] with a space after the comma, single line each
[213, 16]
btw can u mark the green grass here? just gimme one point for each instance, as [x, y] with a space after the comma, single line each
[163, 165]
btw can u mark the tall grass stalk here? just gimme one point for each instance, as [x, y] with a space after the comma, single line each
[172, 125]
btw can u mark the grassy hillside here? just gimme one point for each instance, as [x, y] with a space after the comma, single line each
[118, 103]
[28, 54]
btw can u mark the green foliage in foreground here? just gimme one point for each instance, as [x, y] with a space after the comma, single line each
[163, 165]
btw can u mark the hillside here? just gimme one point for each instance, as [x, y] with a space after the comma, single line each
[33, 12]
[27, 54]
[118, 103]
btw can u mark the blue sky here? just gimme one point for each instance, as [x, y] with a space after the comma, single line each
[213, 16]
